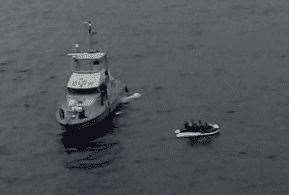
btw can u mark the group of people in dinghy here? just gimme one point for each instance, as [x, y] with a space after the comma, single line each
[202, 127]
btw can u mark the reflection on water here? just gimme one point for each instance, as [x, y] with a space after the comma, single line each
[92, 147]
[203, 140]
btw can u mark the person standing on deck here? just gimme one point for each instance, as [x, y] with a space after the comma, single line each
[89, 27]
[106, 77]
[103, 93]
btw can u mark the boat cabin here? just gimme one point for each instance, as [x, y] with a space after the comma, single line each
[89, 71]
[91, 62]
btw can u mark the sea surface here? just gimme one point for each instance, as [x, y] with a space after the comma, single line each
[222, 61]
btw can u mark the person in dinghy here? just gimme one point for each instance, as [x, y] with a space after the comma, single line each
[201, 128]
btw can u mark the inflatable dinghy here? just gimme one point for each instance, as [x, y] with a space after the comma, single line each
[184, 133]
[129, 98]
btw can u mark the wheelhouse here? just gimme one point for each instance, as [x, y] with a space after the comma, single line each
[88, 72]
[89, 62]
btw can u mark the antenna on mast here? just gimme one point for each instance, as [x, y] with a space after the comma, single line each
[75, 62]
[90, 35]
[76, 47]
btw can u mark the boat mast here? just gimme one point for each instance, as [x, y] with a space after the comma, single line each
[75, 62]
[90, 42]
[90, 35]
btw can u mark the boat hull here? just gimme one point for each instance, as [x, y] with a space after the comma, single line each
[197, 134]
[95, 113]
[87, 122]
[182, 134]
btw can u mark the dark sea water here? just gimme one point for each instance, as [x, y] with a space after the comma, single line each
[223, 61]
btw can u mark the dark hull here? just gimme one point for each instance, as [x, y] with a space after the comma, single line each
[98, 114]
[88, 123]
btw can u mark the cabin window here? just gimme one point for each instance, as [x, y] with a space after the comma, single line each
[95, 62]
[84, 91]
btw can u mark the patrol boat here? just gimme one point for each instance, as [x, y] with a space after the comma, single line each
[92, 92]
